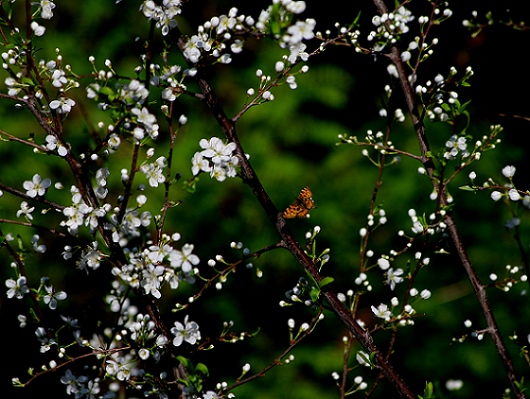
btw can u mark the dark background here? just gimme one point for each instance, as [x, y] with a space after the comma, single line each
[292, 144]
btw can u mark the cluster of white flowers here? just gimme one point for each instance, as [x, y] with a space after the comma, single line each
[156, 264]
[154, 172]
[80, 213]
[301, 30]
[146, 123]
[512, 193]
[212, 37]
[164, 14]
[134, 92]
[13, 85]
[389, 26]
[129, 226]
[215, 36]
[121, 366]
[169, 76]
[216, 158]
[81, 386]
[90, 257]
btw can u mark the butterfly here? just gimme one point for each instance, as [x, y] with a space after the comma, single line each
[301, 205]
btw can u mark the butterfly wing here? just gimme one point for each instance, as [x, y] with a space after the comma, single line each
[306, 198]
[296, 209]
[301, 206]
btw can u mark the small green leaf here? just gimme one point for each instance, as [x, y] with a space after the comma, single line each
[326, 280]
[202, 368]
[467, 187]
[428, 391]
[107, 91]
[185, 362]
[191, 185]
[314, 294]
[275, 28]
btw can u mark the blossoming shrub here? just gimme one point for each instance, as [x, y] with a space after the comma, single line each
[130, 275]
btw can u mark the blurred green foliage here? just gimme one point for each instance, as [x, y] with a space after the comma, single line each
[292, 144]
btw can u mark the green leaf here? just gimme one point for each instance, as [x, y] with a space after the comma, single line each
[185, 362]
[191, 185]
[202, 369]
[467, 187]
[106, 91]
[275, 28]
[314, 294]
[326, 280]
[27, 81]
[428, 391]
[464, 106]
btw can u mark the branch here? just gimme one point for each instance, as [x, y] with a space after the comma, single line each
[478, 287]
[276, 218]
[39, 199]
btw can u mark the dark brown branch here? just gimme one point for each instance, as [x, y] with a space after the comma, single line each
[478, 287]
[250, 178]
[38, 199]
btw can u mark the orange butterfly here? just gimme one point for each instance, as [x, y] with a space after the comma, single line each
[301, 205]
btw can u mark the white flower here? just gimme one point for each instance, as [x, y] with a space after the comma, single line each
[63, 105]
[301, 30]
[425, 294]
[17, 288]
[362, 358]
[393, 277]
[496, 195]
[163, 14]
[210, 395]
[514, 195]
[144, 117]
[191, 49]
[52, 297]
[382, 311]
[37, 186]
[52, 145]
[134, 93]
[46, 9]
[405, 56]
[39, 30]
[508, 171]
[154, 173]
[392, 70]
[188, 332]
[217, 150]
[25, 210]
[383, 263]
[184, 259]
[199, 164]
[59, 78]
[454, 385]
[150, 281]
[455, 145]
